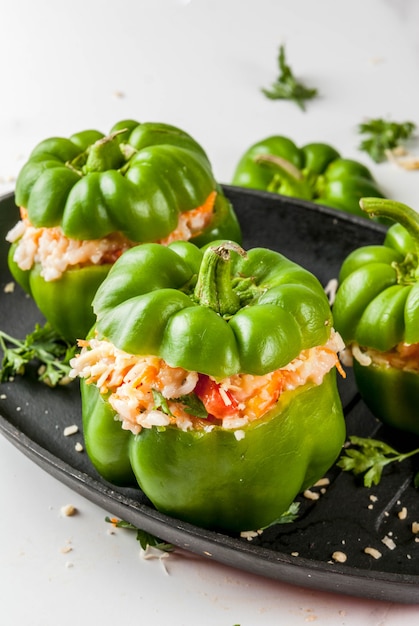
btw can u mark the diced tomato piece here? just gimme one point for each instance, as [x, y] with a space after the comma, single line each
[219, 403]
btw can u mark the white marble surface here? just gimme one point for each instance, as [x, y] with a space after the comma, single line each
[198, 64]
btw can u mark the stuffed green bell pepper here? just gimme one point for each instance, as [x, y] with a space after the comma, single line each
[210, 377]
[315, 172]
[86, 199]
[376, 311]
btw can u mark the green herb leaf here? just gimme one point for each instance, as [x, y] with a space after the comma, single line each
[144, 538]
[160, 402]
[369, 457]
[287, 87]
[383, 135]
[44, 345]
[193, 405]
[120, 523]
[288, 516]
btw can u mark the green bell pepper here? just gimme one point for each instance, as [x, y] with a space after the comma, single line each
[315, 172]
[376, 311]
[138, 183]
[224, 318]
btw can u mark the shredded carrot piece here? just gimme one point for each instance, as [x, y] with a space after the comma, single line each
[207, 207]
[186, 227]
[337, 362]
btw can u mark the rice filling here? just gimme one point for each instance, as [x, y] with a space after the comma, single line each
[145, 391]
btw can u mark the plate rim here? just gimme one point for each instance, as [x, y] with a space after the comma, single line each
[378, 585]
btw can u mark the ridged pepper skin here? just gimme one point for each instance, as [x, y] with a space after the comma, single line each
[136, 181]
[377, 309]
[67, 302]
[314, 172]
[256, 314]
[391, 394]
[107, 444]
[211, 479]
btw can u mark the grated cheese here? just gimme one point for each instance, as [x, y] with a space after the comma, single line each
[388, 542]
[376, 554]
[9, 287]
[339, 556]
[311, 495]
[402, 514]
[70, 430]
[323, 482]
[331, 289]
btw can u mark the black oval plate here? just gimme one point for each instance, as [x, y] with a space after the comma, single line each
[344, 518]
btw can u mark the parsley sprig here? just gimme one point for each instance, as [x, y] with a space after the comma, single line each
[42, 345]
[144, 538]
[383, 136]
[191, 404]
[288, 516]
[370, 457]
[287, 87]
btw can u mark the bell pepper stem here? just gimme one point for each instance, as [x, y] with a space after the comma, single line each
[214, 285]
[105, 154]
[396, 211]
[287, 173]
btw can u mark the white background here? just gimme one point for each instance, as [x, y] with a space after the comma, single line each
[200, 65]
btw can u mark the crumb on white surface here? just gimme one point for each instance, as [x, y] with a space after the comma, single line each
[400, 157]
[68, 510]
[9, 178]
[151, 552]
